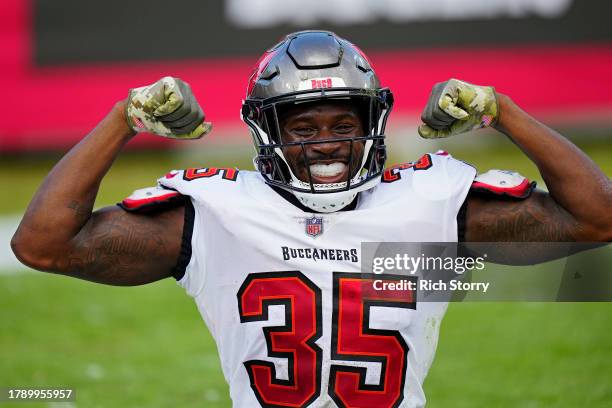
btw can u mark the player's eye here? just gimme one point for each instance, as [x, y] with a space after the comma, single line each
[304, 131]
[344, 128]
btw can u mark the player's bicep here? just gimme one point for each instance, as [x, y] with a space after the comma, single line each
[537, 218]
[117, 247]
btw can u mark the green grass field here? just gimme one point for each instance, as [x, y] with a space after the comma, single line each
[148, 347]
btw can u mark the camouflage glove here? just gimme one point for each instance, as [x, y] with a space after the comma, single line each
[166, 108]
[455, 107]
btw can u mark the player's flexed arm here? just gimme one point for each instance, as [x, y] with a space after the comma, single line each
[59, 233]
[578, 206]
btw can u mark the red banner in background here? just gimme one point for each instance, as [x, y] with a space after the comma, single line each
[53, 107]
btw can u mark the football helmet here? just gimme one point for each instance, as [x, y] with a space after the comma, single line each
[313, 67]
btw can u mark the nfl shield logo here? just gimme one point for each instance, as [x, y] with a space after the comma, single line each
[314, 226]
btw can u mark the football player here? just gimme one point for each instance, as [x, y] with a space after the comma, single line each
[272, 257]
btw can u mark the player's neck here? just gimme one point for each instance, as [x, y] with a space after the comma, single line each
[293, 200]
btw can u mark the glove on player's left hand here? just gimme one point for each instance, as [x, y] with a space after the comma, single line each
[166, 108]
[455, 107]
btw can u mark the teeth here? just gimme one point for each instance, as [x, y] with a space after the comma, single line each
[327, 170]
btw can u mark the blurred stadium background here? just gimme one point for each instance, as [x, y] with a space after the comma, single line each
[64, 63]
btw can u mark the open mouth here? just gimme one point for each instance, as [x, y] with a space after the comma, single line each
[324, 173]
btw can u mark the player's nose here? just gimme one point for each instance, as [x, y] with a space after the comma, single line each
[327, 142]
[327, 147]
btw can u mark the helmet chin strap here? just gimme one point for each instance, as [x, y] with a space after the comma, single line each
[328, 203]
[331, 202]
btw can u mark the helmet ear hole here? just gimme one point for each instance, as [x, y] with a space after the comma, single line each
[381, 154]
[264, 165]
[386, 99]
[251, 112]
[255, 113]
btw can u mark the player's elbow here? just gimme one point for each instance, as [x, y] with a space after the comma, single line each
[605, 233]
[605, 219]
[600, 231]
[602, 224]
[28, 254]
[607, 227]
[594, 223]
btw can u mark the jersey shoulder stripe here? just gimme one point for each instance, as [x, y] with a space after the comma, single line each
[504, 184]
[151, 199]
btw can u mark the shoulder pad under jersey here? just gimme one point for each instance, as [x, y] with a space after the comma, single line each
[151, 198]
[503, 183]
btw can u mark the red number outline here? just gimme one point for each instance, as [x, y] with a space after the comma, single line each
[228, 173]
[392, 173]
[293, 280]
[254, 292]
[368, 394]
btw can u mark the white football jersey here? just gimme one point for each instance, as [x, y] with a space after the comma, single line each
[280, 289]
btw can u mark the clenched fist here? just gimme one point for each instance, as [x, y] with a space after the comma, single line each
[166, 108]
[455, 107]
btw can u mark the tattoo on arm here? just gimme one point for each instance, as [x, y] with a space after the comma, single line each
[536, 219]
[81, 212]
[121, 248]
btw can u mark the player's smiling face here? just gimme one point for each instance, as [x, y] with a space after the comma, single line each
[312, 122]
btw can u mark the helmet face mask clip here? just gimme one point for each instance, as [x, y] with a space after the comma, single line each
[304, 69]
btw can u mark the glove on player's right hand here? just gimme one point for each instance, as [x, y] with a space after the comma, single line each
[166, 108]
